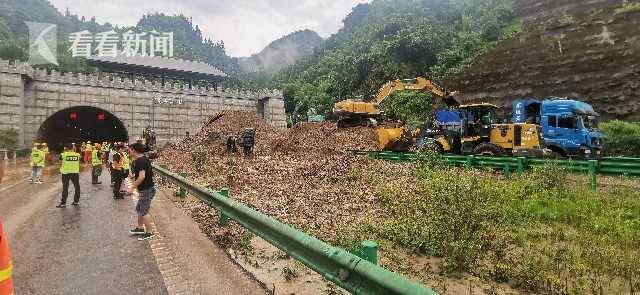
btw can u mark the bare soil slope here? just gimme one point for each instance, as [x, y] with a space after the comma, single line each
[588, 50]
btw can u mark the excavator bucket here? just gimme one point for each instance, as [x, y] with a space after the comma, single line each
[390, 138]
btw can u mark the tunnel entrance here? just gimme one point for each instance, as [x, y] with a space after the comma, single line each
[79, 124]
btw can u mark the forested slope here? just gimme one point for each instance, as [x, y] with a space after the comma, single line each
[395, 39]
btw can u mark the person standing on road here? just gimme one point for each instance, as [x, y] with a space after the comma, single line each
[143, 183]
[37, 164]
[96, 164]
[87, 152]
[70, 171]
[111, 152]
[126, 167]
[45, 149]
[105, 151]
[117, 172]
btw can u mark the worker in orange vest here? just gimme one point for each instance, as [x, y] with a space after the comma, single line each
[6, 283]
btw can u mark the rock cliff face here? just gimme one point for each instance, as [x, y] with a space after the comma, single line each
[585, 49]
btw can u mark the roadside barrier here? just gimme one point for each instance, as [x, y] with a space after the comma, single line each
[349, 271]
[615, 166]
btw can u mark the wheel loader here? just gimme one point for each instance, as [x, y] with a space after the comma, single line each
[471, 129]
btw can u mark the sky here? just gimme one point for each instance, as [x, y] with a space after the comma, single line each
[245, 26]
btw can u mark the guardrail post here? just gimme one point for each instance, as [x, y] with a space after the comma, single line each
[520, 161]
[369, 251]
[593, 183]
[224, 219]
[469, 161]
[182, 193]
[507, 171]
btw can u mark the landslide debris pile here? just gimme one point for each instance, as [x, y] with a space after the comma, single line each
[303, 177]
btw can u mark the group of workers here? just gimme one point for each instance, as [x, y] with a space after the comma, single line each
[117, 157]
[246, 140]
[87, 148]
[112, 155]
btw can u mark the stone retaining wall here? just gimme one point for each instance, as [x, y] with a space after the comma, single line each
[29, 96]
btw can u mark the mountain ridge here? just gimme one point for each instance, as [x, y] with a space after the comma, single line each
[282, 52]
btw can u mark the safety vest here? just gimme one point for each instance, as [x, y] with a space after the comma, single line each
[6, 283]
[95, 160]
[126, 162]
[70, 163]
[117, 165]
[37, 158]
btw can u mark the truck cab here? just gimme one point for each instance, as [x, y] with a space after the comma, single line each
[569, 127]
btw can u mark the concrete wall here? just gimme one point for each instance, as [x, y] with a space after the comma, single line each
[29, 96]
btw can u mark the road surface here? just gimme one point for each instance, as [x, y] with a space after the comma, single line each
[88, 250]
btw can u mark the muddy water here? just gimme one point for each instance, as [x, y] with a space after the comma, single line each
[282, 274]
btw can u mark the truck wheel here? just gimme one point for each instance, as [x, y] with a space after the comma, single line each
[555, 155]
[431, 145]
[488, 149]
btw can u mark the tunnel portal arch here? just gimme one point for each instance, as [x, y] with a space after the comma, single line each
[79, 124]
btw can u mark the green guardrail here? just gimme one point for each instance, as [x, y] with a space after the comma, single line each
[614, 166]
[349, 271]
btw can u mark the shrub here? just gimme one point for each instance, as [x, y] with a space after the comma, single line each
[8, 138]
[199, 160]
[621, 138]
[628, 8]
[542, 232]
[450, 216]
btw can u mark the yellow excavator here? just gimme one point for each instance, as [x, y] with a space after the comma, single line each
[355, 112]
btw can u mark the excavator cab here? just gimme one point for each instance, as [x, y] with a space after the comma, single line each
[477, 119]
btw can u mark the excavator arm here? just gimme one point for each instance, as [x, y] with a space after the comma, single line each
[418, 83]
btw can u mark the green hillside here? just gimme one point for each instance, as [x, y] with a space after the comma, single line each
[395, 39]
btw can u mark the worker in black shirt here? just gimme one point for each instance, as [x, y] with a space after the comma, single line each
[117, 171]
[143, 184]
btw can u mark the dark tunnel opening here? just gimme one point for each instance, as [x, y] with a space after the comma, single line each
[80, 124]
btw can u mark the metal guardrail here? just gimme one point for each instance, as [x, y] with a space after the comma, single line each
[345, 269]
[604, 166]
[620, 166]
[14, 153]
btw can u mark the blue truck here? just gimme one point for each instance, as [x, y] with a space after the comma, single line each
[569, 127]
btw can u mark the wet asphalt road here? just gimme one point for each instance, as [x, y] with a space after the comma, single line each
[76, 250]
